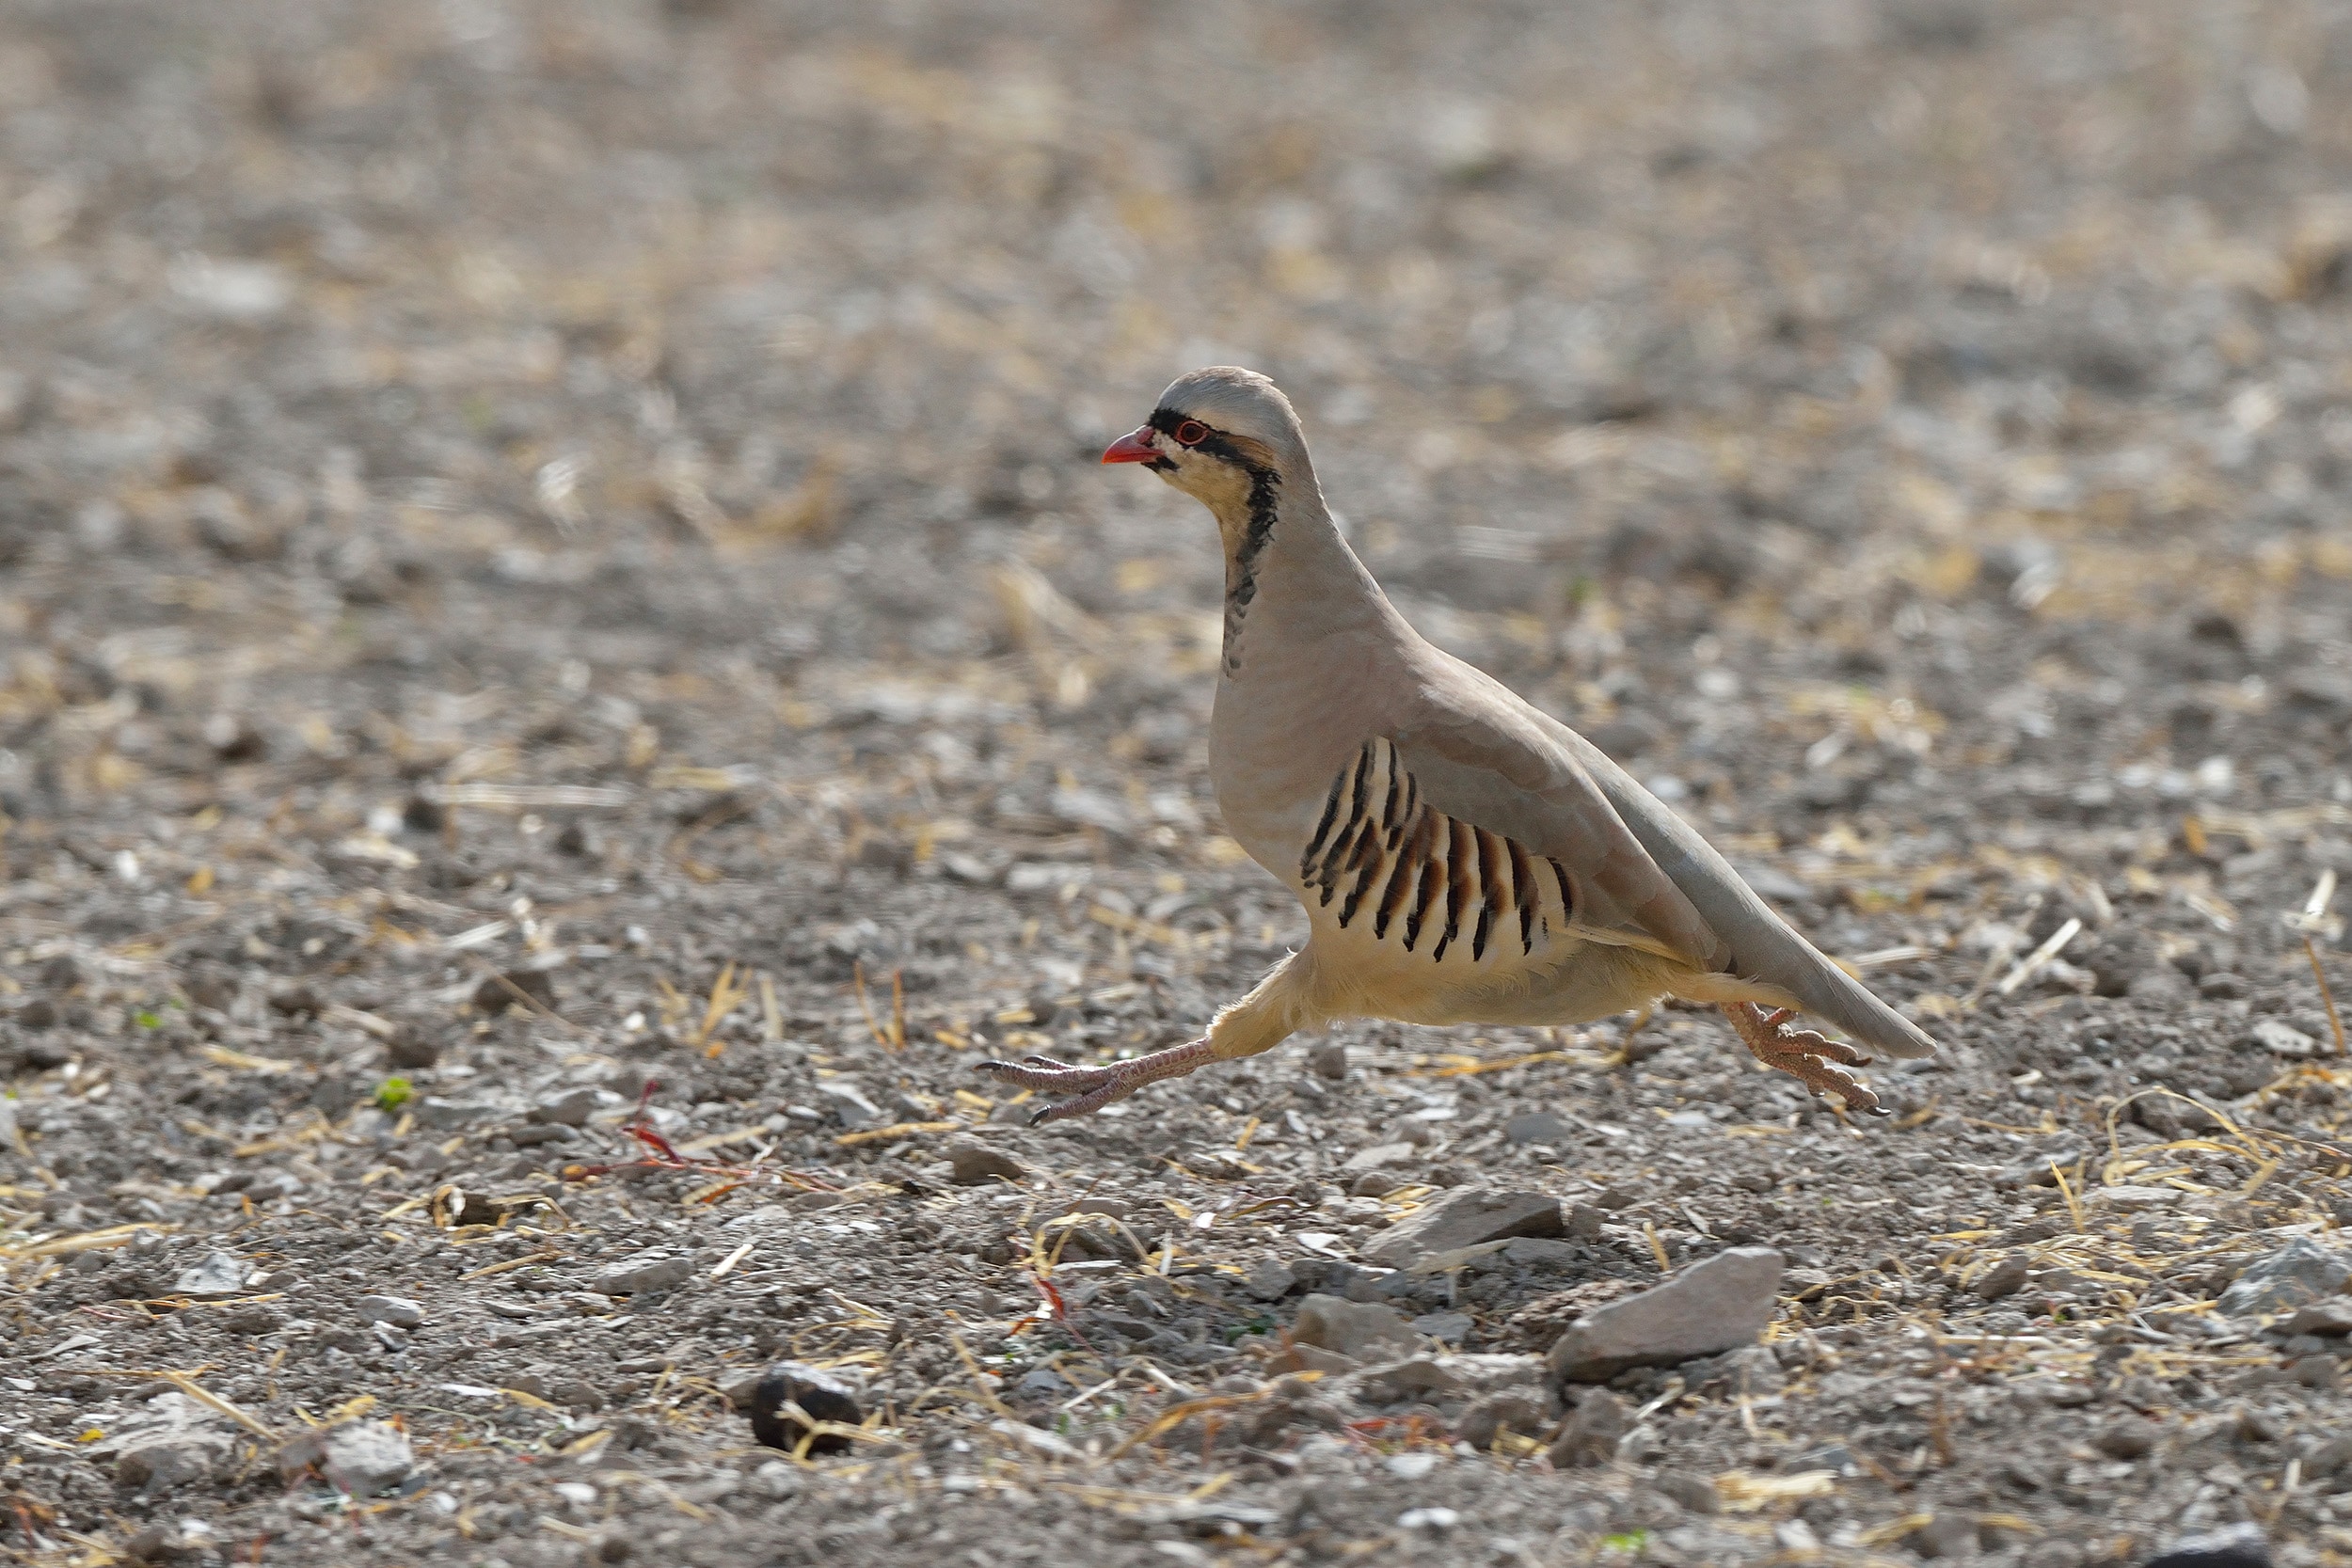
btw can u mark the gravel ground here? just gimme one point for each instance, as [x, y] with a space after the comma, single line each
[565, 671]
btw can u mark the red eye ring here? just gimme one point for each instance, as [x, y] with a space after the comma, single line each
[1191, 433]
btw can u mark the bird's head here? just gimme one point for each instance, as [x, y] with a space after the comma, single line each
[1223, 435]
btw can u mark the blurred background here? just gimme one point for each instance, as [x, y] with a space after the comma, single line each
[1819, 402]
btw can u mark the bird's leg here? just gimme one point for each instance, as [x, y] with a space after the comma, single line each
[1092, 1088]
[1811, 1058]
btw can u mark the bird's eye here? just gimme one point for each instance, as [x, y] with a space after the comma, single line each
[1191, 433]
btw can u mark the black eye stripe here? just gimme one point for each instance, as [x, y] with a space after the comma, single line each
[1213, 442]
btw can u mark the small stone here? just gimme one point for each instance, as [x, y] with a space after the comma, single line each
[1451, 1327]
[2006, 1277]
[2235, 1547]
[571, 1108]
[411, 1050]
[1042, 1382]
[424, 816]
[1362, 1329]
[1585, 1222]
[645, 1273]
[2221, 987]
[1615, 1198]
[2298, 1274]
[1375, 1183]
[1464, 1217]
[820, 1395]
[1516, 1410]
[1538, 1127]
[2332, 1316]
[2282, 1039]
[972, 1163]
[1376, 1156]
[1592, 1431]
[532, 989]
[297, 1002]
[2130, 1437]
[219, 1274]
[1270, 1279]
[1418, 1378]
[1327, 1059]
[2315, 1372]
[1695, 1492]
[361, 1458]
[399, 1311]
[1945, 1535]
[1714, 1305]
[173, 1458]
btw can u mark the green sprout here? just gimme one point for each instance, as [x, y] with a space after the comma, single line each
[392, 1094]
[1632, 1540]
[147, 1019]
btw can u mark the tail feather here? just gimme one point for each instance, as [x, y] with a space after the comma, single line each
[1763, 945]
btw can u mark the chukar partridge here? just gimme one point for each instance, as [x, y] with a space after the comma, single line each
[1463, 856]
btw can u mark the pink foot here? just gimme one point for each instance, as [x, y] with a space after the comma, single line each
[1090, 1088]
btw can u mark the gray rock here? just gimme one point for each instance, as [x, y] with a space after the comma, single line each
[1327, 1059]
[1712, 1306]
[1538, 1127]
[2242, 1546]
[173, 1458]
[2005, 1277]
[1362, 1329]
[399, 1311]
[218, 1274]
[1520, 1410]
[1453, 1327]
[2296, 1274]
[646, 1272]
[434, 1112]
[850, 1105]
[973, 1162]
[1540, 1252]
[361, 1458]
[1592, 1431]
[2332, 1316]
[1419, 1378]
[1464, 1217]
[570, 1109]
[1269, 1280]
[2128, 1437]
[1696, 1493]
[2281, 1039]
[1044, 1382]
[1377, 1156]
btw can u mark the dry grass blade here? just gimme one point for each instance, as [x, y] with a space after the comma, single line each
[726, 995]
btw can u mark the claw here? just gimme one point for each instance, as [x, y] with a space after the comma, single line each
[1812, 1059]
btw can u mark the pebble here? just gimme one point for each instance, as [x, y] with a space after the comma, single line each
[645, 1273]
[972, 1163]
[516, 988]
[570, 1109]
[1327, 1059]
[1452, 1327]
[2298, 1274]
[1413, 1465]
[219, 1274]
[1538, 1127]
[1511, 1410]
[399, 1311]
[1592, 1431]
[173, 1458]
[2332, 1316]
[2282, 1039]
[361, 1458]
[1376, 1156]
[1716, 1305]
[1270, 1279]
[2006, 1277]
[411, 1050]
[2235, 1547]
[2129, 1438]
[1585, 1222]
[1464, 1217]
[1361, 1329]
[1696, 1493]
[819, 1394]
